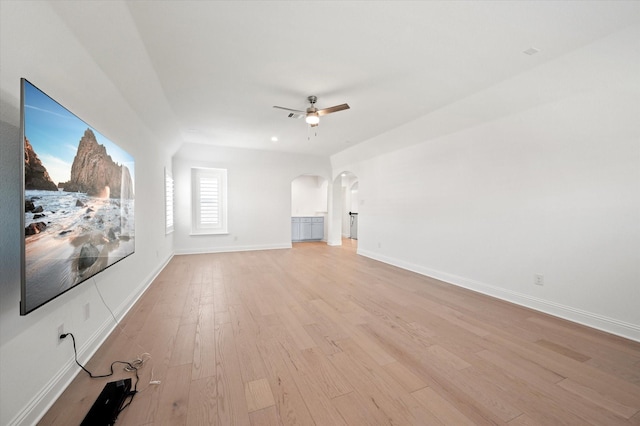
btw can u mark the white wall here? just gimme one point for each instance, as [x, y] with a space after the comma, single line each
[259, 196]
[309, 196]
[34, 369]
[550, 187]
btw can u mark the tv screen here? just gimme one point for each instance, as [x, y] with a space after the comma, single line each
[78, 200]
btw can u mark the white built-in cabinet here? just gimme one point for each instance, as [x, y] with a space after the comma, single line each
[307, 228]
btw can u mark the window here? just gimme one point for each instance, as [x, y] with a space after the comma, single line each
[209, 201]
[168, 202]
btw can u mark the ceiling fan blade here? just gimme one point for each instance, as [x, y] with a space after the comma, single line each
[289, 109]
[336, 108]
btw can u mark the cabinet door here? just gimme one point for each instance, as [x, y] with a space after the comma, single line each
[305, 230]
[295, 229]
[317, 228]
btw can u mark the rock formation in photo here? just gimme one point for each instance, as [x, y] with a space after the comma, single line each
[35, 228]
[35, 174]
[93, 170]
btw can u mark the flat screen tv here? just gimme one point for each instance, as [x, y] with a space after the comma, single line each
[78, 191]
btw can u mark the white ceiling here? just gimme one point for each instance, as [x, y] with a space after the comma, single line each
[210, 71]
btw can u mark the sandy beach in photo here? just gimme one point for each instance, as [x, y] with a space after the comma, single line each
[73, 221]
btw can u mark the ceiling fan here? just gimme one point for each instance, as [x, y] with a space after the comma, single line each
[312, 114]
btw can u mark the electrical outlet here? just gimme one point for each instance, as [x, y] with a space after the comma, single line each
[60, 333]
[538, 279]
[87, 311]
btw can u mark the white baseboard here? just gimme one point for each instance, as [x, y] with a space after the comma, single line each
[590, 319]
[45, 398]
[233, 249]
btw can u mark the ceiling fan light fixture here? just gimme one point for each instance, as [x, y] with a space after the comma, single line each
[312, 118]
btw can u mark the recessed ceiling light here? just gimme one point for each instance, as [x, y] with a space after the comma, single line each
[531, 51]
[274, 139]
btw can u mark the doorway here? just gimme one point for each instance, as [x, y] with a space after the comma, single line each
[309, 208]
[351, 195]
[344, 209]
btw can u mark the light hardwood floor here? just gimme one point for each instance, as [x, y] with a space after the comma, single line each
[319, 335]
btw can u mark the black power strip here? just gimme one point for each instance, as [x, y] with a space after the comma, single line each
[105, 410]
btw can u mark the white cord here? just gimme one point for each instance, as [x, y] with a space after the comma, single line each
[95, 284]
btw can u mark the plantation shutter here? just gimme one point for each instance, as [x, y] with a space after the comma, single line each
[168, 201]
[209, 201]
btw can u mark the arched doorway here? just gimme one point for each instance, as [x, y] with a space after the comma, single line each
[309, 201]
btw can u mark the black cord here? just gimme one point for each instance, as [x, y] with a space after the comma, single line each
[131, 367]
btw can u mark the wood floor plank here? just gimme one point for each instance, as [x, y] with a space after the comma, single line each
[563, 350]
[295, 329]
[246, 332]
[527, 369]
[290, 404]
[419, 412]
[394, 341]
[231, 402]
[598, 398]
[358, 410]
[543, 400]
[319, 335]
[192, 304]
[372, 347]
[325, 374]
[601, 339]
[265, 417]
[610, 356]
[146, 403]
[445, 412]
[324, 339]
[203, 409]
[446, 357]
[322, 411]
[174, 397]
[222, 317]
[219, 296]
[625, 393]
[409, 381]
[524, 420]
[204, 349]
[489, 403]
[374, 391]
[328, 319]
[185, 341]
[258, 394]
